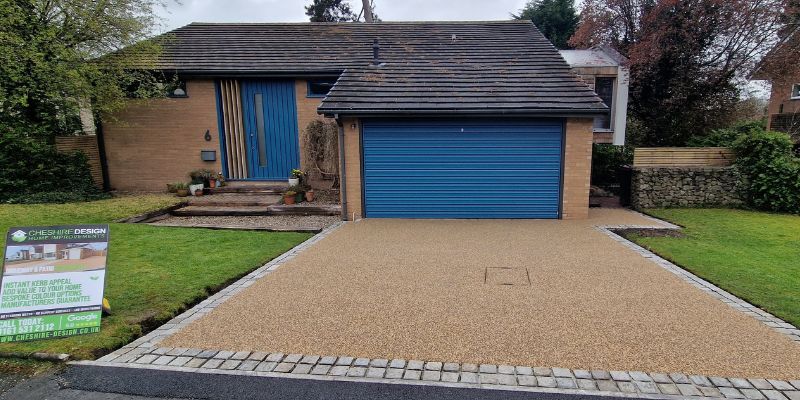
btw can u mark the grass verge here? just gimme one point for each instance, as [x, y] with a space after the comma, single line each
[153, 273]
[754, 255]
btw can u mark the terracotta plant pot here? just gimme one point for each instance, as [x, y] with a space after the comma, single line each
[310, 196]
[182, 192]
[198, 192]
[212, 183]
[289, 199]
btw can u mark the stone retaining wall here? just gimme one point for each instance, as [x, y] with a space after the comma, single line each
[685, 187]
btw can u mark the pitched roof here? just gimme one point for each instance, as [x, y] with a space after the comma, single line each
[427, 67]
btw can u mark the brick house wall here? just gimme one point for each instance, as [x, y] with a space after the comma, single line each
[783, 111]
[352, 169]
[86, 144]
[306, 112]
[577, 168]
[154, 142]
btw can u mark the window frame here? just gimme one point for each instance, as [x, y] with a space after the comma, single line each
[794, 92]
[181, 84]
[612, 107]
[330, 79]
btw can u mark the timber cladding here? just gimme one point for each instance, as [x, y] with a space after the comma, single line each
[86, 144]
[683, 157]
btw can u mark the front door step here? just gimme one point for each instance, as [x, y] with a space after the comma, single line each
[235, 200]
[252, 189]
[275, 209]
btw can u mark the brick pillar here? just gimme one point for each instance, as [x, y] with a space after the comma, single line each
[352, 161]
[577, 168]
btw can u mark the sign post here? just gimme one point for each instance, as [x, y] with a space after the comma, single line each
[52, 283]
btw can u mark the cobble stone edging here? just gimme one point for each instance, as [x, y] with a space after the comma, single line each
[491, 376]
[657, 187]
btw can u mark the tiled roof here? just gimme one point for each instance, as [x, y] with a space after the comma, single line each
[427, 67]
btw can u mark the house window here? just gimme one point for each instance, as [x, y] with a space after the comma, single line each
[604, 87]
[796, 91]
[320, 87]
[176, 89]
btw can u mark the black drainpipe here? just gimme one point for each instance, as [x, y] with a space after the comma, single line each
[101, 148]
[342, 175]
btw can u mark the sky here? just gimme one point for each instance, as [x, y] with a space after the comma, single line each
[179, 14]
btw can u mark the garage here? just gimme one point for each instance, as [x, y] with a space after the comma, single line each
[462, 168]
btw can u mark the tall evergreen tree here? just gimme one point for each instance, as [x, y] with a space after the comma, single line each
[330, 11]
[557, 19]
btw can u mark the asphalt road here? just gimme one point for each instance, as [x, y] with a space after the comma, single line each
[96, 383]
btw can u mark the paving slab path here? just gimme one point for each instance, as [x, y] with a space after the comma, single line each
[519, 292]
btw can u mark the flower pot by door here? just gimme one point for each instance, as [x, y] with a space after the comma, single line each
[288, 199]
[294, 181]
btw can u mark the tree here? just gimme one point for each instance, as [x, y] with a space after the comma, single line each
[330, 11]
[557, 19]
[49, 65]
[687, 57]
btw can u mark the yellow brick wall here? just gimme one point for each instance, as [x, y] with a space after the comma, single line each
[155, 142]
[352, 160]
[577, 168]
[306, 112]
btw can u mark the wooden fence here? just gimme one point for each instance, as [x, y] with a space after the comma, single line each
[683, 157]
[87, 144]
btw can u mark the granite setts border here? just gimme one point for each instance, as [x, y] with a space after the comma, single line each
[146, 353]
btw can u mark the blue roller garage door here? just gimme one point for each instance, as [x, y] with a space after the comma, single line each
[462, 169]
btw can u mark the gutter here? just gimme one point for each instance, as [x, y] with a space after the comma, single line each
[342, 175]
[465, 113]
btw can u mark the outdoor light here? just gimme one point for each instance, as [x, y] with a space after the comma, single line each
[179, 92]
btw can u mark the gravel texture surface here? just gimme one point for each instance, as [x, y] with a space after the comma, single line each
[415, 289]
[272, 222]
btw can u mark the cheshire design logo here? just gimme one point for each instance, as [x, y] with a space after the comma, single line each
[19, 236]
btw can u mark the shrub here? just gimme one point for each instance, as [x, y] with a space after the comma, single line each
[34, 172]
[727, 136]
[607, 160]
[321, 145]
[771, 170]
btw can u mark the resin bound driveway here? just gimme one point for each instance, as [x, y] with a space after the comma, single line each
[518, 292]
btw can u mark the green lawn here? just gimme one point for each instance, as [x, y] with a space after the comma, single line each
[153, 272]
[754, 255]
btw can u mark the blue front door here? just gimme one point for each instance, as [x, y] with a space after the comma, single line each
[270, 123]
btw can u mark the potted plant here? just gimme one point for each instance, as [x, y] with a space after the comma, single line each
[202, 176]
[181, 189]
[296, 177]
[171, 187]
[220, 179]
[196, 186]
[289, 197]
[310, 195]
[299, 192]
[212, 181]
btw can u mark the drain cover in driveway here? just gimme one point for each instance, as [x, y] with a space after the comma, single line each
[506, 276]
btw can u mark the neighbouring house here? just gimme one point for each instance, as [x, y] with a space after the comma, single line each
[78, 252]
[780, 68]
[437, 119]
[605, 71]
